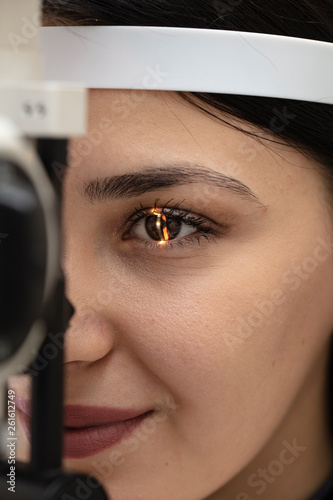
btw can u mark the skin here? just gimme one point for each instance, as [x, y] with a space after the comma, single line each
[227, 341]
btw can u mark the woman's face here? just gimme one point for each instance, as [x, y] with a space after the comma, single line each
[200, 264]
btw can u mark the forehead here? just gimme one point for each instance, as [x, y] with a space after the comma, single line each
[134, 110]
[130, 129]
[154, 123]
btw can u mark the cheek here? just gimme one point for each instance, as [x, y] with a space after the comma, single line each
[236, 340]
[255, 313]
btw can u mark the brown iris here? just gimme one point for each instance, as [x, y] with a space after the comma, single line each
[162, 228]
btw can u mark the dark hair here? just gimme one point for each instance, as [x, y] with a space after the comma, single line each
[306, 126]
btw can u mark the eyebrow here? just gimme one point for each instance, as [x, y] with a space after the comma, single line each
[161, 177]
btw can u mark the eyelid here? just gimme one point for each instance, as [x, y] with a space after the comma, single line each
[206, 230]
[172, 209]
[187, 216]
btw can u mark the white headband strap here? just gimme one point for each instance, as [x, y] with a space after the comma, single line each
[186, 59]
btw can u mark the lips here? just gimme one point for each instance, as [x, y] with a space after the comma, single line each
[92, 416]
[90, 429]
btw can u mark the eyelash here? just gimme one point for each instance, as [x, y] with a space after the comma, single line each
[184, 216]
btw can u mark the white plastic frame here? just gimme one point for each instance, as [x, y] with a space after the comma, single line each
[186, 59]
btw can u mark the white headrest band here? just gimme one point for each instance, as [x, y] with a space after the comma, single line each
[133, 57]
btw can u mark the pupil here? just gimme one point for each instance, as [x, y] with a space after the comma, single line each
[156, 232]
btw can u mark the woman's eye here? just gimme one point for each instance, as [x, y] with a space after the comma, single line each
[167, 227]
[161, 228]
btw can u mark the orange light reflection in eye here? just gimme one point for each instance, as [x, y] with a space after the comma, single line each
[165, 230]
[164, 233]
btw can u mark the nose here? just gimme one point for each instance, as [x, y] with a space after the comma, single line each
[90, 289]
[90, 335]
